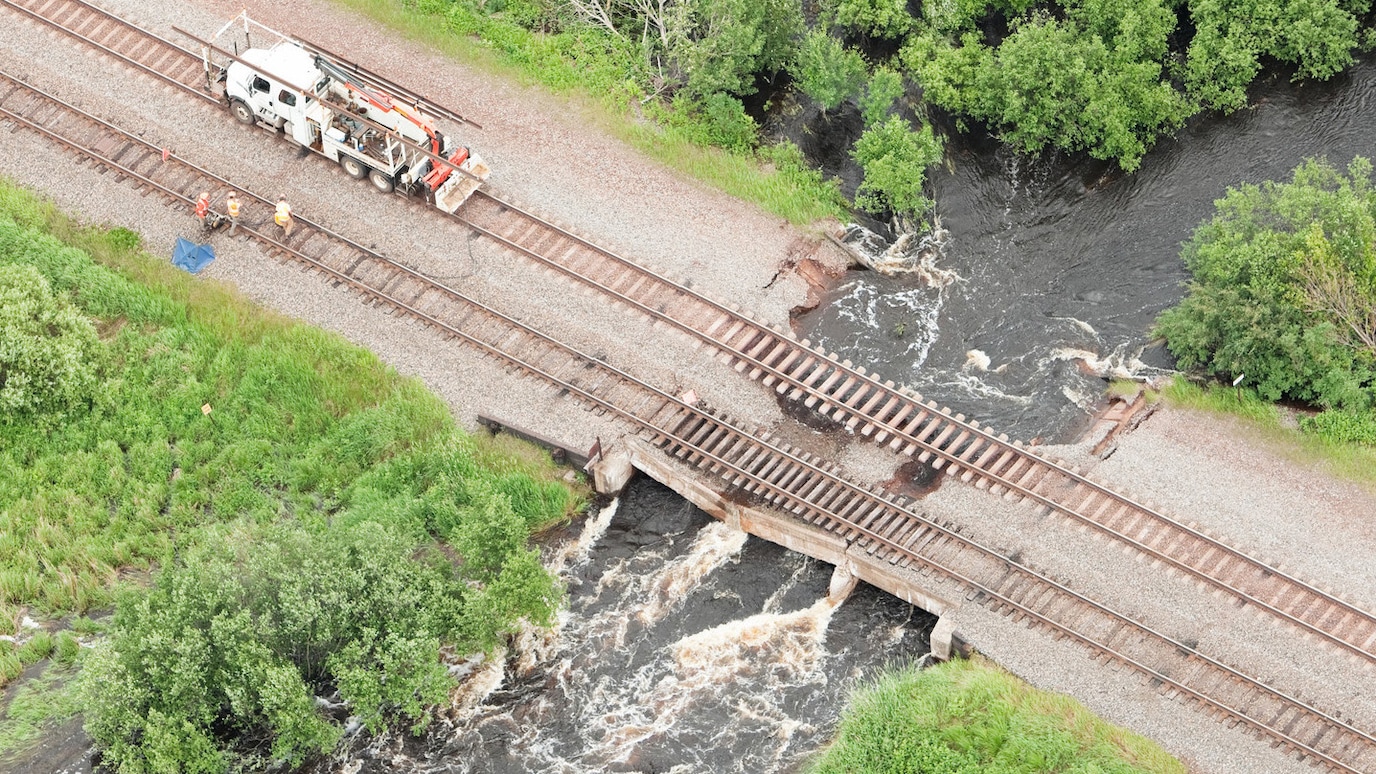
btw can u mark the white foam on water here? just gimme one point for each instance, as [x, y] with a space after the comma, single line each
[468, 696]
[775, 601]
[972, 384]
[714, 545]
[748, 662]
[1081, 324]
[576, 553]
[910, 253]
[1118, 364]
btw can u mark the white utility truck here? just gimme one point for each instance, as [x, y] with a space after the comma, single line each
[328, 107]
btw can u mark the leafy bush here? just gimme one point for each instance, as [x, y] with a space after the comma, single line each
[1343, 426]
[895, 160]
[827, 71]
[1284, 288]
[720, 45]
[1231, 36]
[964, 717]
[1094, 81]
[256, 628]
[716, 120]
[876, 18]
[48, 349]
[884, 88]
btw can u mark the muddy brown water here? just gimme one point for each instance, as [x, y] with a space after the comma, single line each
[686, 648]
[1066, 261]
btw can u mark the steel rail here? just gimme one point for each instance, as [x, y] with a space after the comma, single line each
[423, 104]
[849, 409]
[683, 410]
[955, 458]
[106, 14]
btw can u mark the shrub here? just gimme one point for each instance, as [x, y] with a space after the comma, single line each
[1284, 284]
[884, 88]
[876, 18]
[716, 120]
[1093, 81]
[722, 45]
[253, 625]
[1343, 426]
[895, 160]
[964, 717]
[1231, 36]
[48, 349]
[827, 71]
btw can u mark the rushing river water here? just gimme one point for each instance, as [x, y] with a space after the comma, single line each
[1065, 261]
[687, 648]
[684, 647]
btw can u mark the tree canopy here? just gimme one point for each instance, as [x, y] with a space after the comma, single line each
[1284, 288]
[1317, 36]
[1094, 81]
[238, 654]
[48, 348]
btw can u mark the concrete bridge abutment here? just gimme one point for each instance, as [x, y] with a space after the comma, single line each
[616, 467]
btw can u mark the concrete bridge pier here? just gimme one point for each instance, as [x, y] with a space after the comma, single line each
[613, 468]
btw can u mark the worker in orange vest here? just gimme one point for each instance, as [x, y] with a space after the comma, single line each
[283, 216]
[232, 210]
[203, 208]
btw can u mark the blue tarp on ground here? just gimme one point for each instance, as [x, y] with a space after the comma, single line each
[192, 256]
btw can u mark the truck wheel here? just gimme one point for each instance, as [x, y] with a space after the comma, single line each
[382, 181]
[242, 112]
[353, 167]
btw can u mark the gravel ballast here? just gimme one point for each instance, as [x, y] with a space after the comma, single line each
[1195, 466]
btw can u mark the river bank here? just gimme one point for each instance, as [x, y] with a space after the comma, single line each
[632, 211]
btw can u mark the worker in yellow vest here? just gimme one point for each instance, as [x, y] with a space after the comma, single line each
[232, 210]
[283, 217]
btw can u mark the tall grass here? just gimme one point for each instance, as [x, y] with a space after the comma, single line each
[596, 84]
[300, 425]
[36, 705]
[1266, 422]
[970, 717]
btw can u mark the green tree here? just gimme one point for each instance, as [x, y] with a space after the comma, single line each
[875, 18]
[827, 71]
[1093, 81]
[1231, 36]
[1284, 287]
[721, 45]
[884, 88]
[895, 160]
[244, 638]
[49, 351]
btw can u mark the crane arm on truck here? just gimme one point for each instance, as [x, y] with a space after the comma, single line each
[385, 109]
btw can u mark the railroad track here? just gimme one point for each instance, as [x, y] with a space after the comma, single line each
[847, 395]
[861, 403]
[785, 477]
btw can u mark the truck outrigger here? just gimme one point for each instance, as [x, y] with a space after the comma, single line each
[334, 109]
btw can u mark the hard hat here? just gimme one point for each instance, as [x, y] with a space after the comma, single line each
[205, 195]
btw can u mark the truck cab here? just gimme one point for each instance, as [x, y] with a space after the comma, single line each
[273, 85]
